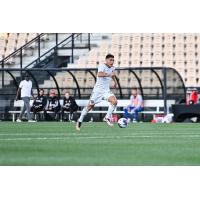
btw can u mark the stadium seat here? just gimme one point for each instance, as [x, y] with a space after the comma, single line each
[157, 47]
[135, 55]
[123, 79]
[146, 63]
[157, 37]
[147, 37]
[90, 81]
[190, 37]
[80, 77]
[124, 62]
[168, 38]
[136, 46]
[157, 55]
[157, 63]
[135, 62]
[82, 63]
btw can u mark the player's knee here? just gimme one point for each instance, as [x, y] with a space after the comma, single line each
[114, 102]
[90, 107]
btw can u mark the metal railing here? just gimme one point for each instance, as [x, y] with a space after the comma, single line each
[69, 40]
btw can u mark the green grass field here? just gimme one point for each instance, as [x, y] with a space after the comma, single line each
[56, 143]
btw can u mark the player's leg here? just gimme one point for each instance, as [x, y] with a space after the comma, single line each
[34, 111]
[62, 113]
[38, 114]
[126, 113]
[136, 110]
[28, 108]
[113, 104]
[94, 99]
[22, 112]
[71, 114]
[84, 112]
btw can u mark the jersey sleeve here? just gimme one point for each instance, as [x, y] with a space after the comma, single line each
[21, 84]
[101, 68]
[139, 101]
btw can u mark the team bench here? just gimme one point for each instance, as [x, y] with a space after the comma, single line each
[150, 106]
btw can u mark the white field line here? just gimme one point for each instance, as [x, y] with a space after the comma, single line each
[83, 134]
[100, 137]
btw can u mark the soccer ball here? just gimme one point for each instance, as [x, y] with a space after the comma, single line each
[122, 122]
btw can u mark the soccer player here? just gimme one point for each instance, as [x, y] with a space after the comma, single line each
[101, 91]
[39, 103]
[53, 105]
[69, 104]
[135, 106]
[25, 89]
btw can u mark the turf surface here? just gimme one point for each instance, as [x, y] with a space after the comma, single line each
[56, 143]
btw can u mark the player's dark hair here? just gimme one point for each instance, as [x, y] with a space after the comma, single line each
[109, 56]
[134, 88]
[41, 89]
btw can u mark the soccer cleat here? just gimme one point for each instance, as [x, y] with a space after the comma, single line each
[134, 121]
[128, 120]
[18, 120]
[78, 126]
[107, 120]
[31, 121]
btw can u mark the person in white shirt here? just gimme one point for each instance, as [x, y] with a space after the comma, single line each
[136, 105]
[101, 91]
[25, 89]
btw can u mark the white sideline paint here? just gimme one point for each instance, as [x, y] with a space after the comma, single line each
[155, 104]
[100, 137]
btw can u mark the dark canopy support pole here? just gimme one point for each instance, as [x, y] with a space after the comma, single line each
[119, 87]
[89, 42]
[87, 70]
[15, 81]
[2, 73]
[56, 39]
[157, 75]
[165, 89]
[39, 49]
[72, 55]
[78, 87]
[21, 62]
[139, 82]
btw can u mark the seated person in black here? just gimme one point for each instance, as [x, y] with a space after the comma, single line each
[69, 105]
[39, 103]
[53, 105]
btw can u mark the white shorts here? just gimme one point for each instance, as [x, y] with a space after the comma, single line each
[97, 97]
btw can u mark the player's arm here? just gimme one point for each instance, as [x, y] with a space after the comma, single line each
[18, 94]
[103, 74]
[114, 79]
[32, 93]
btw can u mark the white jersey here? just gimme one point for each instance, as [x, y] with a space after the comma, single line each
[103, 83]
[26, 87]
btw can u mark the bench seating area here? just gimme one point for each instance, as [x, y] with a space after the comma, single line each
[151, 106]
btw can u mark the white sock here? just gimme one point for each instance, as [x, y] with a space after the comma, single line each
[111, 108]
[83, 113]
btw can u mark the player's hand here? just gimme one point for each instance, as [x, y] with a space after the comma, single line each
[113, 74]
[16, 98]
[115, 86]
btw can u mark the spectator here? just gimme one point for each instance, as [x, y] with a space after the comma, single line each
[193, 97]
[53, 105]
[39, 103]
[69, 105]
[135, 106]
[25, 90]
